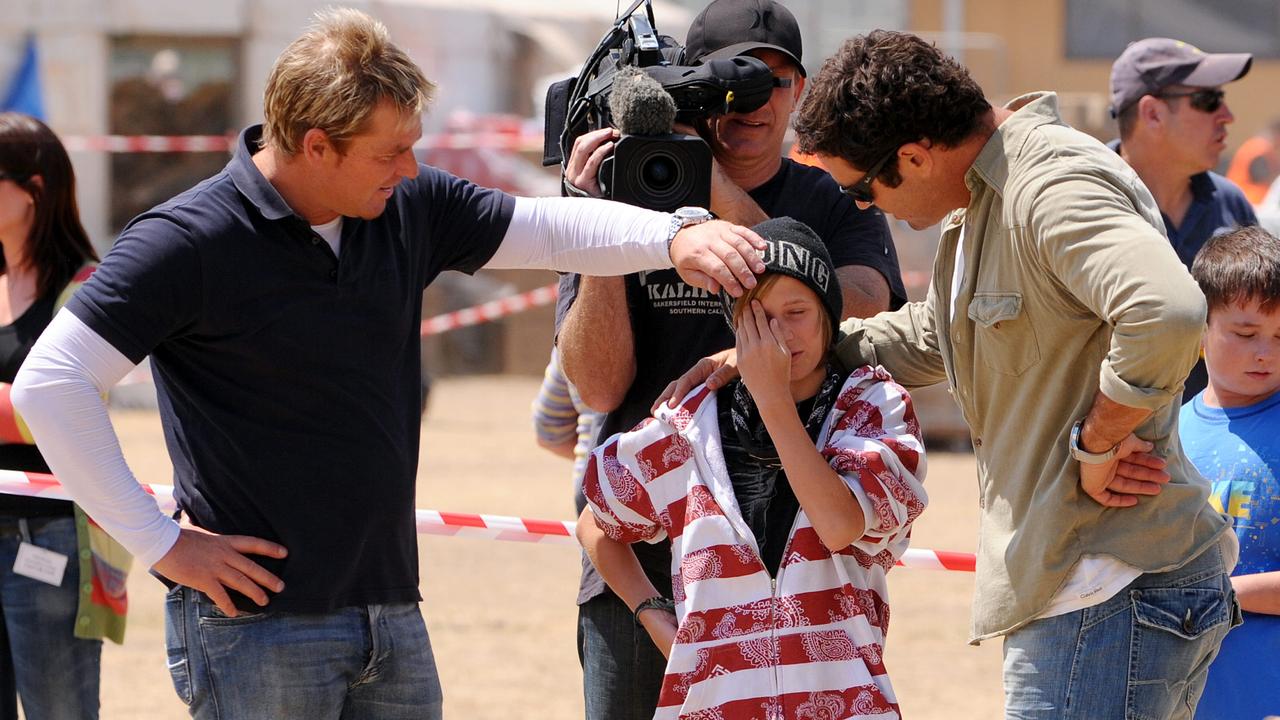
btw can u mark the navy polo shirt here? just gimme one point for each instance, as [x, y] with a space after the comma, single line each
[288, 378]
[1217, 206]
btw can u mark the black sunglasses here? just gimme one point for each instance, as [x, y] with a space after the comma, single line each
[781, 82]
[17, 179]
[1207, 100]
[861, 190]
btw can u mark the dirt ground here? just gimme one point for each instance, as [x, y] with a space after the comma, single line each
[501, 614]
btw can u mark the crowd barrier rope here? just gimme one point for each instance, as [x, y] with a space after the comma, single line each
[511, 142]
[438, 522]
[489, 311]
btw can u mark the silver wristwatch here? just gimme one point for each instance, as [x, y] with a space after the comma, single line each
[1085, 456]
[684, 217]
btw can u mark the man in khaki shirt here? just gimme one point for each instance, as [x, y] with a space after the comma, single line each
[1064, 323]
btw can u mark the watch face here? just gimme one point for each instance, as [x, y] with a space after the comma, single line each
[692, 213]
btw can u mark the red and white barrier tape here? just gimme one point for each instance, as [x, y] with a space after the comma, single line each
[436, 522]
[226, 143]
[489, 311]
[148, 143]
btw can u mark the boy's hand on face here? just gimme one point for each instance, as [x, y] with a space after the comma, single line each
[763, 357]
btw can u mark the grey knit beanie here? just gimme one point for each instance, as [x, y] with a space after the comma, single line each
[795, 250]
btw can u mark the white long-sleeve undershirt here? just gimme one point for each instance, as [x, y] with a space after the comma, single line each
[59, 389]
[59, 392]
[585, 235]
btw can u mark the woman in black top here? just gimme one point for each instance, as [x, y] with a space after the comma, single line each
[45, 251]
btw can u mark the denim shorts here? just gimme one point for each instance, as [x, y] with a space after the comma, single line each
[356, 663]
[1141, 655]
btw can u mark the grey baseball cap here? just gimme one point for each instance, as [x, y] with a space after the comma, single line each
[1148, 66]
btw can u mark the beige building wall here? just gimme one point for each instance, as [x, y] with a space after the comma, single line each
[1019, 46]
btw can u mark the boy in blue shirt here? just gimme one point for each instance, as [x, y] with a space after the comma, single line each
[1231, 431]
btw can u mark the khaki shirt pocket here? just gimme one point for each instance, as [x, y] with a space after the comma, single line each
[1004, 339]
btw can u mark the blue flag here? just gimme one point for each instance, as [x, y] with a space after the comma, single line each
[24, 91]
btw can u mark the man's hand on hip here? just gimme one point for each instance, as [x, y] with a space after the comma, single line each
[1131, 473]
[213, 564]
[717, 254]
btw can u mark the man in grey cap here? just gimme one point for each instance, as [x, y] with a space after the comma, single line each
[1167, 97]
[622, 339]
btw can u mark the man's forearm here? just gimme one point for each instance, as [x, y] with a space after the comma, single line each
[730, 202]
[584, 235]
[903, 341]
[865, 291]
[597, 345]
[58, 390]
[1108, 422]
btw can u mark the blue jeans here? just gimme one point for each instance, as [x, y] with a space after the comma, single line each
[621, 667]
[1141, 655]
[41, 661]
[357, 663]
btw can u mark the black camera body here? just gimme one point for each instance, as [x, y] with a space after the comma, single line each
[659, 172]
[651, 166]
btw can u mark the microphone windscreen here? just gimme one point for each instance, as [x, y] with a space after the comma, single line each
[640, 105]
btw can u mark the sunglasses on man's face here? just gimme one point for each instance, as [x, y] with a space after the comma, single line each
[861, 191]
[1207, 100]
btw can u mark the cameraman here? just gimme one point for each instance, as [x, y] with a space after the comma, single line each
[629, 336]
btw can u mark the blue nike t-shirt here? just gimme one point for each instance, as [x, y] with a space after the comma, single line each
[1238, 450]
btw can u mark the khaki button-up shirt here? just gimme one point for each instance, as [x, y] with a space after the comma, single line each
[1069, 286]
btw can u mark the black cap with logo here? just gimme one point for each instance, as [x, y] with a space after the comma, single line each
[728, 28]
[1148, 66]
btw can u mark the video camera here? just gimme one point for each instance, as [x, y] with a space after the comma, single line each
[634, 81]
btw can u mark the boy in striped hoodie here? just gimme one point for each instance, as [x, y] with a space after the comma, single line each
[787, 496]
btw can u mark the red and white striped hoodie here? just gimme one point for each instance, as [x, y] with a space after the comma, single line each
[808, 644]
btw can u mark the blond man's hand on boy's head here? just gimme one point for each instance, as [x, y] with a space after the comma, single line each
[716, 254]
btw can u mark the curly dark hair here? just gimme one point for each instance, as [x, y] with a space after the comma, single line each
[883, 90]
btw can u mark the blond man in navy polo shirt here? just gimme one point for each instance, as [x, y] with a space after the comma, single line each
[279, 302]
